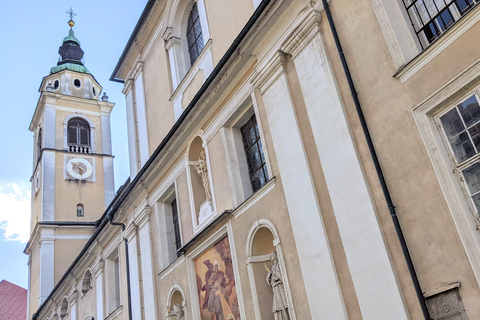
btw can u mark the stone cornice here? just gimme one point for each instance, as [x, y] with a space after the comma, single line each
[143, 217]
[97, 267]
[268, 72]
[303, 33]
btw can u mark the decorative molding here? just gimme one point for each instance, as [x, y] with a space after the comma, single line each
[114, 314]
[165, 272]
[436, 48]
[130, 231]
[269, 71]
[143, 217]
[254, 198]
[442, 289]
[98, 267]
[72, 296]
[303, 33]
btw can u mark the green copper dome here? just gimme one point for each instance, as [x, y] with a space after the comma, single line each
[71, 37]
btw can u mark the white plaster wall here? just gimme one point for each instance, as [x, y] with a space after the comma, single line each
[47, 267]
[147, 272]
[48, 185]
[134, 279]
[99, 293]
[49, 127]
[106, 134]
[132, 136]
[108, 180]
[141, 119]
[371, 269]
[320, 278]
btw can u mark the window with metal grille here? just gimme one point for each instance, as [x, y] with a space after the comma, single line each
[431, 18]
[78, 132]
[39, 143]
[176, 226]
[461, 127]
[194, 34]
[254, 153]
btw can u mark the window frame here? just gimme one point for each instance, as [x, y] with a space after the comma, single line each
[67, 146]
[460, 166]
[459, 206]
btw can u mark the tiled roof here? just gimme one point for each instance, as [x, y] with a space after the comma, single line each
[13, 301]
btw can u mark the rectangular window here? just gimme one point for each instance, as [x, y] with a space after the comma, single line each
[176, 226]
[254, 153]
[431, 18]
[461, 127]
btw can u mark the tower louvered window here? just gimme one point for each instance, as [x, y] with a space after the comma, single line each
[78, 133]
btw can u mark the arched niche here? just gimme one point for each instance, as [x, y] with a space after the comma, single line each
[176, 305]
[262, 243]
[64, 308]
[86, 282]
[199, 185]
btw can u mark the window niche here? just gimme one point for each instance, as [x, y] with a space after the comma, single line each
[176, 308]
[78, 134]
[198, 172]
[168, 215]
[248, 160]
[186, 36]
[64, 309]
[112, 273]
[266, 270]
[80, 210]
[86, 282]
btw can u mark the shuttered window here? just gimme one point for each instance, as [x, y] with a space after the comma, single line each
[78, 132]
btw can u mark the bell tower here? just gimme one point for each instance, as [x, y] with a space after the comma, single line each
[72, 179]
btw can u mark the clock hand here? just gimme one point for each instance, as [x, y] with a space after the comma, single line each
[82, 171]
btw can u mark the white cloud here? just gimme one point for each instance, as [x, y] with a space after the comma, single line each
[15, 211]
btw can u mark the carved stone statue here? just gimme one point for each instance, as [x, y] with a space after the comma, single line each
[275, 281]
[177, 313]
[203, 173]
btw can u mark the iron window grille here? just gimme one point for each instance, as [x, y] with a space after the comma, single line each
[431, 18]
[254, 152]
[461, 128]
[194, 34]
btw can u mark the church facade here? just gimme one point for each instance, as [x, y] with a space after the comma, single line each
[288, 160]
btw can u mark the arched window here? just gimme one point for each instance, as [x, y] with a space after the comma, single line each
[194, 35]
[87, 282]
[64, 308]
[80, 210]
[78, 133]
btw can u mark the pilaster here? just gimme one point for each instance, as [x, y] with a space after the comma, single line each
[373, 278]
[98, 272]
[320, 279]
[131, 235]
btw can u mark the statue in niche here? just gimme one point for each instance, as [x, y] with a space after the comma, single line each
[203, 173]
[275, 282]
[177, 312]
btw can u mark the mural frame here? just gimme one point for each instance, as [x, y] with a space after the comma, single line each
[225, 230]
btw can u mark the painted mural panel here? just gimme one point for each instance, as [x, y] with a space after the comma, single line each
[216, 288]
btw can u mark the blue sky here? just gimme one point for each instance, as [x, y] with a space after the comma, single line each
[31, 32]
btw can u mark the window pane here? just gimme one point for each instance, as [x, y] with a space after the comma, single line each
[258, 180]
[452, 124]
[254, 159]
[470, 111]
[472, 176]
[445, 19]
[476, 201]
[475, 134]
[249, 134]
[462, 147]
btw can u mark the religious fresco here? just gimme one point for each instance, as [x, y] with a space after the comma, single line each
[217, 293]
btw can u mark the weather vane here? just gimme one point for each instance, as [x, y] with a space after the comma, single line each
[71, 13]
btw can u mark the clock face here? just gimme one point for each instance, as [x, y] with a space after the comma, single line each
[79, 168]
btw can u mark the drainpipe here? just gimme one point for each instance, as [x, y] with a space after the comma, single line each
[378, 168]
[127, 264]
